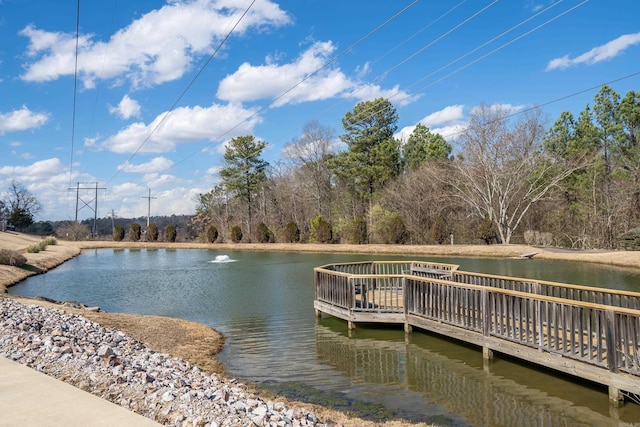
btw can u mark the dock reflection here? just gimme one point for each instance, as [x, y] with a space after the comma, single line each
[452, 376]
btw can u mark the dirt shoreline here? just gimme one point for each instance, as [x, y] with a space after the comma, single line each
[200, 343]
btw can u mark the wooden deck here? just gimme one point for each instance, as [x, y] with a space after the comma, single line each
[591, 333]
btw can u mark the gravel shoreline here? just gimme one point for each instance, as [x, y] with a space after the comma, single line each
[111, 365]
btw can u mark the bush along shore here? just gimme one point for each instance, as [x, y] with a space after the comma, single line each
[114, 366]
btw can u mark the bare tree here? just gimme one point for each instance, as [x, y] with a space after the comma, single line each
[21, 205]
[309, 153]
[502, 170]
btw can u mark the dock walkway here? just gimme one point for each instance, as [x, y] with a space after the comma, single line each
[591, 333]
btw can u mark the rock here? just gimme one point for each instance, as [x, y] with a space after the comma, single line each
[168, 396]
[105, 351]
[114, 366]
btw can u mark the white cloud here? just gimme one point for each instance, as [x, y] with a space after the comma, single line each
[158, 47]
[450, 132]
[127, 108]
[214, 170]
[178, 200]
[48, 180]
[447, 122]
[369, 92]
[155, 165]
[250, 83]
[597, 54]
[446, 115]
[499, 107]
[40, 170]
[125, 188]
[155, 180]
[21, 119]
[303, 80]
[182, 125]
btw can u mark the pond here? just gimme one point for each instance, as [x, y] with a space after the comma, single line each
[263, 303]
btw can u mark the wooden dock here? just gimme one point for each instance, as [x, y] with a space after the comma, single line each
[591, 333]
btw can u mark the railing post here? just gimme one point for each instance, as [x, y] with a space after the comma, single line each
[487, 354]
[406, 300]
[612, 340]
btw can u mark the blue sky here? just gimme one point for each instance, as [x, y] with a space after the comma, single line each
[161, 86]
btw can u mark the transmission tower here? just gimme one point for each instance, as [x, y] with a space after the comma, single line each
[86, 203]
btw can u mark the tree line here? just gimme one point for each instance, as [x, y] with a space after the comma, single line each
[511, 179]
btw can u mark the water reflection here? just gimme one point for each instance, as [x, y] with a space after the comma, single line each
[459, 383]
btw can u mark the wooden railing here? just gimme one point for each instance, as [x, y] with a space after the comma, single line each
[600, 335]
[597, 328]
[590, 294]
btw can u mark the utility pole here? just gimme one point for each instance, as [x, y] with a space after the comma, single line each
[149, 207]
[86, 203]
[113, 218]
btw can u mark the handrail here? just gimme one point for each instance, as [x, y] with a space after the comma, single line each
[590, 327]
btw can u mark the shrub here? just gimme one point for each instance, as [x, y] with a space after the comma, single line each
[211, 234]
[34, 249]
[630, 240]
[12, 258]
[439, 230]
[37, 247]
[538, 238]
[357, 231]
[264, 235]
[320, 230]
[152, 233]
[170, 233]
[487, 231]
[72, 230]
[292, 233]
[388, 227]
[235, 234]
[51, 240]
[118, 233]
[135, 231]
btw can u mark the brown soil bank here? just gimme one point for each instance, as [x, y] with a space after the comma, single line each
[198, 343]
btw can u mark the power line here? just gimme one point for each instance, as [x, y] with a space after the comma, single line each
[487, 54]
[75, 91]
[305, 78]
[383, 74]
[175, 103]
[562, 98]
[100, 76]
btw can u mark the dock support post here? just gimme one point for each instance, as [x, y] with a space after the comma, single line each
[487, 357]
[351, 325]
[407, 328]
[615, 396]
[487, 353]
[318, 313]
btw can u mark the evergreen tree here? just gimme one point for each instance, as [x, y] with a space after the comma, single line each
[373, 155]
[244, 172]
[422, 146]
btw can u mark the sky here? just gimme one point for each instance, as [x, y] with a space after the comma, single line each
[138, 99]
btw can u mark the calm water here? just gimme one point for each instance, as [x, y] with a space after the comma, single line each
[263, 303]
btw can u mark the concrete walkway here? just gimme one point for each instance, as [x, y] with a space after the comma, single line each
[30, 398]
